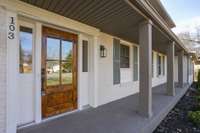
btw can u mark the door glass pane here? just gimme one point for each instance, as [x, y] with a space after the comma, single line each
[25, 50]
[53, 73]
[67, 50]
[53, 48]
[67, 72]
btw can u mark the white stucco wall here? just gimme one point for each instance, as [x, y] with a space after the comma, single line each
[3, 66]
[108, 92]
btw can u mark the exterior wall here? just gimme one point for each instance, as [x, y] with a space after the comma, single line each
[184, 70]
[161, 79]
[3, 73]
[108, 92]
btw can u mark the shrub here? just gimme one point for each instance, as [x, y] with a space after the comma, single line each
[197, 98]
[194, 117]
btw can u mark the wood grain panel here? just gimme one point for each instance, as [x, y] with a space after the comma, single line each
[57, 99]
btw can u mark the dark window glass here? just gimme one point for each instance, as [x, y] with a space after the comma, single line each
[85, 56]
[124, 56]
[25, 49]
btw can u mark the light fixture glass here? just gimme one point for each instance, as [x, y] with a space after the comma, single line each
[103, 51]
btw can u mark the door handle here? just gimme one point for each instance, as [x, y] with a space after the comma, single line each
[43, 93]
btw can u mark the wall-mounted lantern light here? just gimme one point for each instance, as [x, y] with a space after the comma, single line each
[103, 51]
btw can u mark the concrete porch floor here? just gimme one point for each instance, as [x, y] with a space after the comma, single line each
[116, 117]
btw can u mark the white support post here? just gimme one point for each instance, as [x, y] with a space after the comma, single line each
[12, 71]
[145, 83]
[170, 70]
[93, 95]
[38, 86]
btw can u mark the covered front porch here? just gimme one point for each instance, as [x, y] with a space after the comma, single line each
[100, 24]
[116, 117]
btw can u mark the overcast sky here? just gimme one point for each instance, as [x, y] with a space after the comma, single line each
[185, 13]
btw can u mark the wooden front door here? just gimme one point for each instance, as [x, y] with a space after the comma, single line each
[59, 72]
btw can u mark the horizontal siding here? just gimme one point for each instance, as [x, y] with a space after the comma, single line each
[2, 71]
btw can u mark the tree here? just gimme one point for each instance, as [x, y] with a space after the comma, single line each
[67, 66]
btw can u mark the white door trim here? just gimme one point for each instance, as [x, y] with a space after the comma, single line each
[12, 69]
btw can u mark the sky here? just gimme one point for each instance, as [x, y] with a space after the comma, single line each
[185, 14]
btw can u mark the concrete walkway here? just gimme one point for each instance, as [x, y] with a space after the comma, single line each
[116, 117]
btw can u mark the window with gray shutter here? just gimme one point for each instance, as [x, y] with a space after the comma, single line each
[85, 56]
[135, 63]
[124, 56]
[116, 61]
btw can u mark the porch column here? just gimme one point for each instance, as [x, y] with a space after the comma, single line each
[188, 68]
[170, 70]
[145, 58]
[180, 68]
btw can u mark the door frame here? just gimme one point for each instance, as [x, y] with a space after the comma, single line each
[60, 34]
[31, 25]
[39, 17]
[37, 78]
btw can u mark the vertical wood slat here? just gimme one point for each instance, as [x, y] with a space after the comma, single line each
[116, 61]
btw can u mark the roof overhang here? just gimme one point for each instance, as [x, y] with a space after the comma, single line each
[120, 18]
[149, 12]
[160, 10]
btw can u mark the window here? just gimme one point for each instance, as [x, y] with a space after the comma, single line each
[124, 56]
[25, 50]
[85, 56]
[159, 65]
[135, 63]
[59, 61]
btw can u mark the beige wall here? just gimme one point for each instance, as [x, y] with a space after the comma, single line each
[2, 70]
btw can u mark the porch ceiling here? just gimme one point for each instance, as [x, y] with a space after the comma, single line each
[114, 17]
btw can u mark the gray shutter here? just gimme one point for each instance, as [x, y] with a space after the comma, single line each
[135, 63]
[85, 56]
[163, 65]
[116, 61]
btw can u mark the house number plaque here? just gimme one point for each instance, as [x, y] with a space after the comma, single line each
[11, 28]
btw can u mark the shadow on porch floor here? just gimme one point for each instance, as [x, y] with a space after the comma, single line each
[116, 117]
